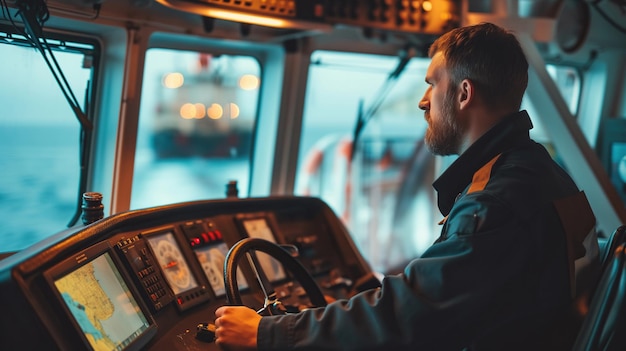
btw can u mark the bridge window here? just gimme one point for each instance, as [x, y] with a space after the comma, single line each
[195, 126]
[383, 193]
[39, 138]
[568, 82]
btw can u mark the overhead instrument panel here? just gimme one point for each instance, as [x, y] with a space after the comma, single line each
[413, 16]
[176, 269]
[287, 14]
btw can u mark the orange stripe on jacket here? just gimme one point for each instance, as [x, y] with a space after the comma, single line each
[479, 181]
[481, 177]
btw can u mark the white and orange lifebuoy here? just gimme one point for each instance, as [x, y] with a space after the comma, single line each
[333, 185]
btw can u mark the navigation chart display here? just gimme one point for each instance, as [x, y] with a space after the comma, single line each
[101, 303]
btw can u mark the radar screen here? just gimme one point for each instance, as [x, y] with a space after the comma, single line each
[175, 269]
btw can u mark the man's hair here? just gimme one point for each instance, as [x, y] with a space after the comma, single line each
[490, 57]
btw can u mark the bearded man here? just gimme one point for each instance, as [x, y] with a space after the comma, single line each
[500, 275]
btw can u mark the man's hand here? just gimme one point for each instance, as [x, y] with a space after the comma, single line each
[236, 328]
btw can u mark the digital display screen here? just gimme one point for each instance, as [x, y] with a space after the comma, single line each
[212, 259]
[100, 302]
[172, 262]
[259, 228]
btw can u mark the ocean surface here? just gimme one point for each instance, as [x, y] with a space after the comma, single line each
[38, 182]
[39, 173]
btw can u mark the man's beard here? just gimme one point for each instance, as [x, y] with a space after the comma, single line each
[443, 135]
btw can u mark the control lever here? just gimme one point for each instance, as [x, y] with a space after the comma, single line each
[272, 309]
[205, 332]
[273, 306]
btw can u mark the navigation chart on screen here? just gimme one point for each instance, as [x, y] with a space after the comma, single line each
[102, 305]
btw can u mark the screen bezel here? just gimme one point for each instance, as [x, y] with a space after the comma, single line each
[81, 259]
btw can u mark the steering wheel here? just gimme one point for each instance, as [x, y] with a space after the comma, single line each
[300, 274]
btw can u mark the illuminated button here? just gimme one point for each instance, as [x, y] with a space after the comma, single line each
[427, 6]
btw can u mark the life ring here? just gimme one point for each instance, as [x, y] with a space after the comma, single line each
[332, 184]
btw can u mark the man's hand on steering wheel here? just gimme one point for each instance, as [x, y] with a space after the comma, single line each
[236, 328]
[243, 248]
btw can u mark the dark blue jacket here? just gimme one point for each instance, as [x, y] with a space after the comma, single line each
[498, 278]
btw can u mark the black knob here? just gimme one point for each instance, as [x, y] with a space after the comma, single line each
[231, 189]
[205, 332]
[93, 209]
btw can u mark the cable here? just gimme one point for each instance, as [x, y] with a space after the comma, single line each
[34, 14]
[16, 28]
[364, 116]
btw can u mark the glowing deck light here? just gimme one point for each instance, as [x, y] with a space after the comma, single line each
[215, 111]
[173, 80]
[188, 111]
[249, 82]
[234, 110]
[200, 108]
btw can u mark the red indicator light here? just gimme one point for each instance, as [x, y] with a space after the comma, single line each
[318, 10]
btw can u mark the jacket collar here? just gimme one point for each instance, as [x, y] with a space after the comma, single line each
[510, 132]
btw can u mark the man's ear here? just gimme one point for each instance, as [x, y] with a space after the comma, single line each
[466, 94]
